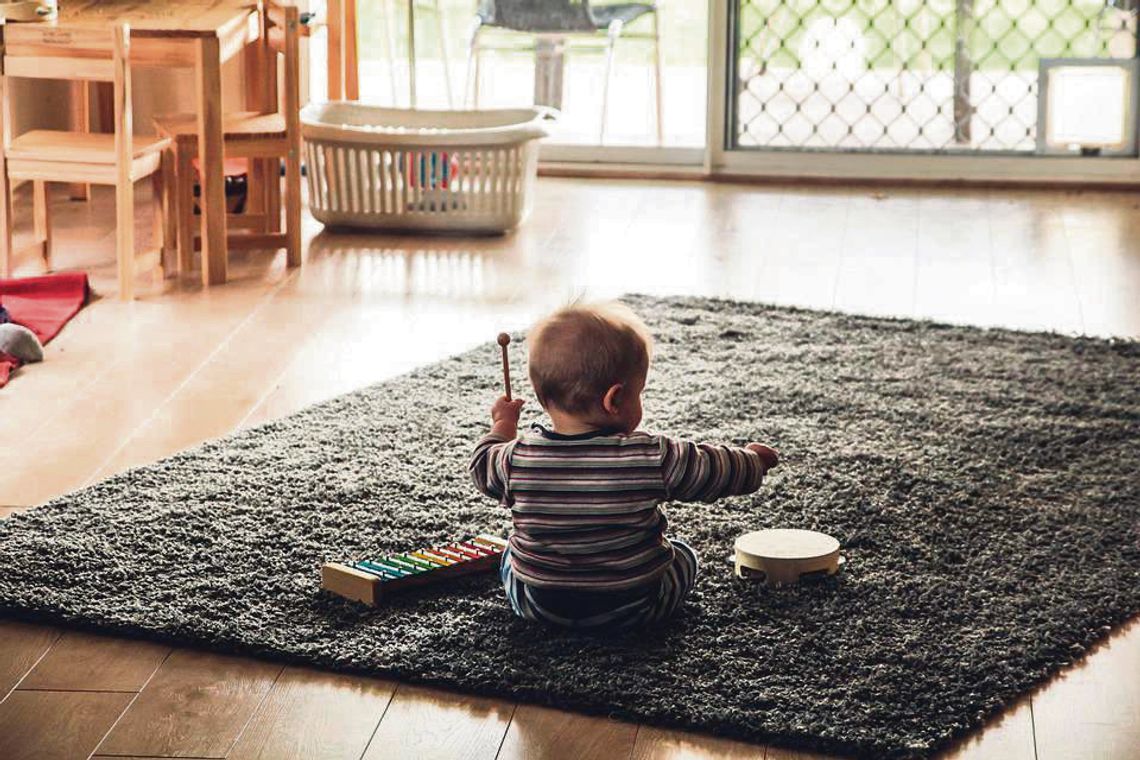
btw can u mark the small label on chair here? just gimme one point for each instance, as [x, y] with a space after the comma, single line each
[56, 37]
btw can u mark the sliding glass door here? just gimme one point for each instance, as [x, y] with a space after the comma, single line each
[887, 79]
[958, 89]
[631, 74]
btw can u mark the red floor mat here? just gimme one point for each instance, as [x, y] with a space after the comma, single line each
[41, 304]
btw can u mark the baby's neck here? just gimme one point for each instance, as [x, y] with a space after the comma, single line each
[567, 424]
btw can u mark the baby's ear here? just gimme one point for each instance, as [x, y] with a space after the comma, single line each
[613, 399]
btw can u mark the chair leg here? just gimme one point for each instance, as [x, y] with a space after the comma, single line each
[612, 35]
[659, 78]
[6, 253]
[41, 205]
[125, 238]
[273, 195]
[184, 208]
[442, 31]
[256, 179]
[162, 218]
[293, 209]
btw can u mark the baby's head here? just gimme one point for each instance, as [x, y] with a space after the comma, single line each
[589, 362]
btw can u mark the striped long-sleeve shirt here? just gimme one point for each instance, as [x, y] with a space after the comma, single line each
[586, 508]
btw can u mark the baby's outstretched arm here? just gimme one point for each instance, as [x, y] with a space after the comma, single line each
[492, 453]
[707, 472]
[770, 456]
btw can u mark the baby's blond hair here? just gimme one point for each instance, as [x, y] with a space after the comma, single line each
[578, 352]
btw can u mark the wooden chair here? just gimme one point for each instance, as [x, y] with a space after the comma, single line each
[264, 138]
[44, 156]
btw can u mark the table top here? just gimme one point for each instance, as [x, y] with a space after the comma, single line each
[158, 18]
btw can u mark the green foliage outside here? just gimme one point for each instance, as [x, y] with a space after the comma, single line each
[1005, 35]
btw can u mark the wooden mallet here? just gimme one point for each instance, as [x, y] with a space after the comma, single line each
[504, 341]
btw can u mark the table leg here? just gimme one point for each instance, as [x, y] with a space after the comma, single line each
[210, 156]
[80, 122]
[183, 189]
[549, 65]
[351, 64]
[336, 49]
[257, 58]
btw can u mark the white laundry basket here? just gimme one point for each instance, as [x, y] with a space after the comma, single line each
[445, 171]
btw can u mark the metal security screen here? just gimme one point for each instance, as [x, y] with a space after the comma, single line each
[905, 75]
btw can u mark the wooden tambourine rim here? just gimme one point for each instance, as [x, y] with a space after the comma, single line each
[780, 570]
[785, 534]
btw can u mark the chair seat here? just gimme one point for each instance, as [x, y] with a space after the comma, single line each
[627, 13]
[565, 20]
[77, 147]
[243, 125]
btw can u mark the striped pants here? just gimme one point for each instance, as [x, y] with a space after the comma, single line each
[655, 606]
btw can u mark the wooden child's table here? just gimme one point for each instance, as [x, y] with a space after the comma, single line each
[192, 34]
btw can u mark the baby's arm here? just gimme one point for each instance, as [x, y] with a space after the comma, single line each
[707, 472]
[492, 453]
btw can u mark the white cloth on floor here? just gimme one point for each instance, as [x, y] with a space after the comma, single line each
[21, 343]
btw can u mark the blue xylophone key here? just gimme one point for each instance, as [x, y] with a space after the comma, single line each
[362, 566]
[385, 572]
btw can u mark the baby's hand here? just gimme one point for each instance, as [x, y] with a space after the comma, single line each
[770, 456]
[506, 411]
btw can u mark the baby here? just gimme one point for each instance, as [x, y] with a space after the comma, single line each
[589, 549]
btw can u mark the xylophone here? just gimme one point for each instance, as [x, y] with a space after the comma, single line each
[368, 580]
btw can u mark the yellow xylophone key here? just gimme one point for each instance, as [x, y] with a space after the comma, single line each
[426, 555]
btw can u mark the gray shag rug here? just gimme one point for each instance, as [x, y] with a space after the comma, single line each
[983, 483]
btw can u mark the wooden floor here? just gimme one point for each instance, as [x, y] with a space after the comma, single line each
[126, 384]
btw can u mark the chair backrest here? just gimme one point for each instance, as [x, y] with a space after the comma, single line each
[37, 51]
[33, 51]
[538, 16]
[282, 34]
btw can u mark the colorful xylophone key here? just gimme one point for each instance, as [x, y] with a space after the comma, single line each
[368, 580]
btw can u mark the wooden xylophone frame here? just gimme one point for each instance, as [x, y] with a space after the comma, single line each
[369, 581]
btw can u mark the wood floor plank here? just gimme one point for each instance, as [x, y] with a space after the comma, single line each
[21, 647]
[954, 273]
[105, 333]
[422, 722]
[879, 255]
[778, 753]
[57, 725]
[364, 356]
[1093, 709]
[310, 715]
[230, 383]
[88, 662]
[114, 406]
[1008, 737]
[664, 744]
[196, 705]
[797, 264]
[1031, 256]
[540, 733]
[1106, 268]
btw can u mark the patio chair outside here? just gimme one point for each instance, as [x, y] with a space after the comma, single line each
[556, 19]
